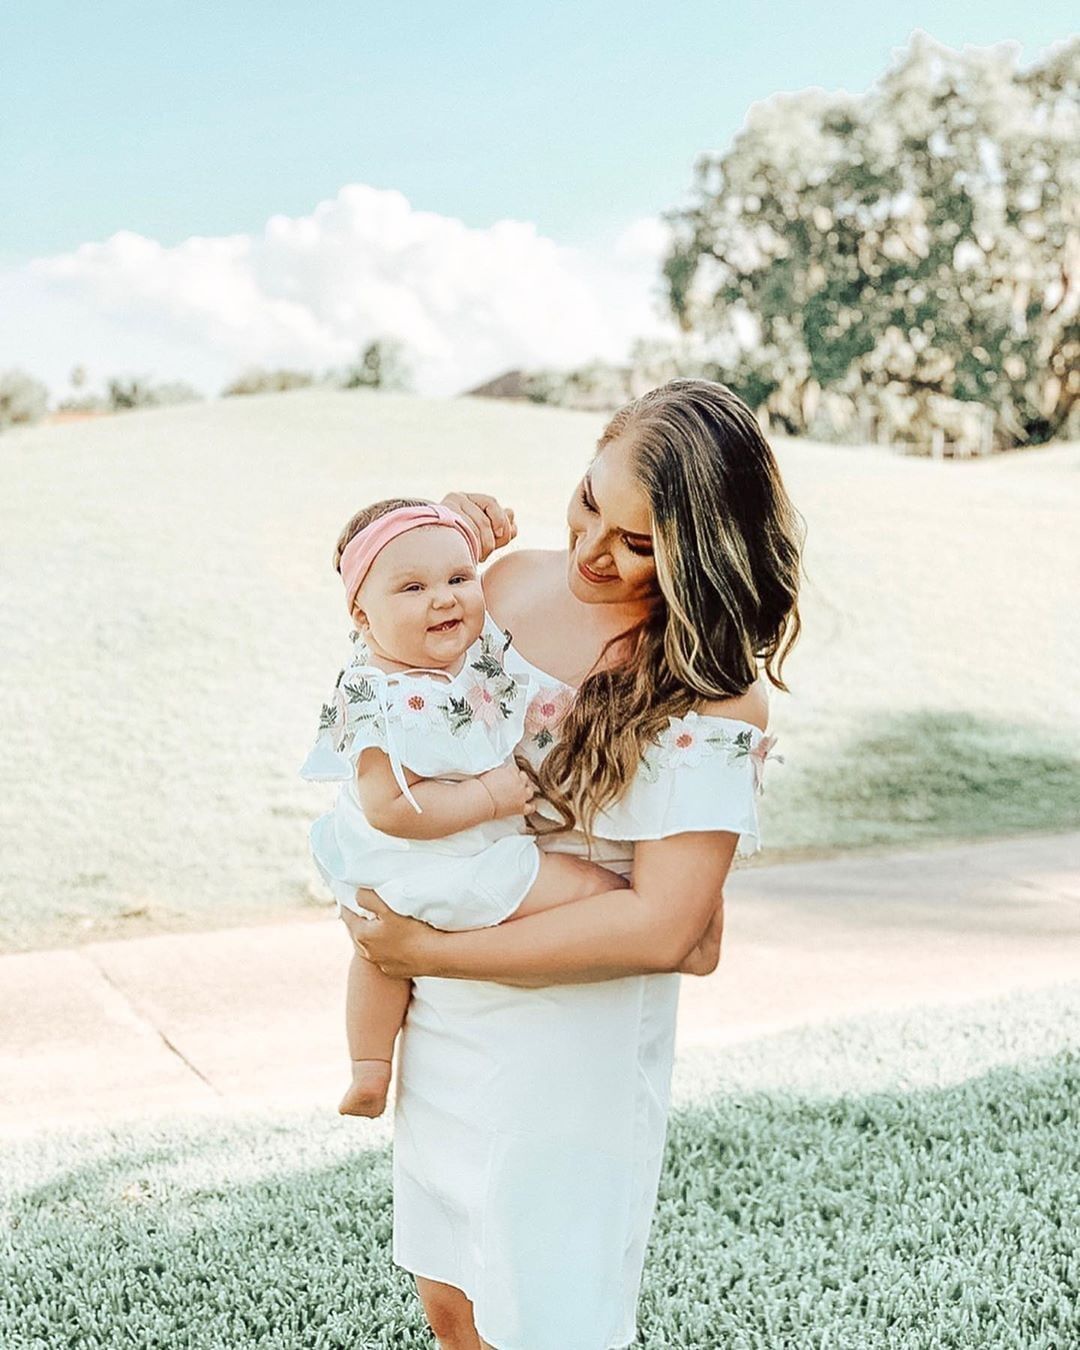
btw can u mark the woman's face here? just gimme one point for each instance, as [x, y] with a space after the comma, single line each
[611, 552]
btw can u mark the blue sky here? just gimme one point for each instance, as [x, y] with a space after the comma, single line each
[180, 118]
[193, 188]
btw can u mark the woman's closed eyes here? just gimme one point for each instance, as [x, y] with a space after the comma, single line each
[643, 551]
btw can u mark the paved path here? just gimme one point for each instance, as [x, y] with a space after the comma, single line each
[251, 1017]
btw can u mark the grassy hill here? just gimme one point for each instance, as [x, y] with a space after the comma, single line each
[169, 623]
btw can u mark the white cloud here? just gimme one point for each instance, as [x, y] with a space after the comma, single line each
[644, 241]
[308, 291]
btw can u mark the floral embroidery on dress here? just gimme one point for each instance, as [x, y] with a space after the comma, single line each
[360, 704]
[418, 709]
[491, 696]
[544, 713]
[694, 738]
[758, 756]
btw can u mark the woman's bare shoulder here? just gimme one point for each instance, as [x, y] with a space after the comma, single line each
[517, 577]
[752, 707]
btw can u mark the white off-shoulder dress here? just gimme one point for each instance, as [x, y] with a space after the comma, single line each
[439, 726]
[530, 1123]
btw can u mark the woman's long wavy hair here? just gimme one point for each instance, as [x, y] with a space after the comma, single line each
[727, 542]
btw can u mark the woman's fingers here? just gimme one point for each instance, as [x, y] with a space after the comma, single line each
[356, 926]
[363, 930]
[494, 524]
[372, 901]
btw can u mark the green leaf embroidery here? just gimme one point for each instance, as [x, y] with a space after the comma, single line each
[360, 692]
[648, 770]
[328, 716]
[458, 711]
[488, 666]
[740, 746]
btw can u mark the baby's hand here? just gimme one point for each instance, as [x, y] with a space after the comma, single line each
[511, 788]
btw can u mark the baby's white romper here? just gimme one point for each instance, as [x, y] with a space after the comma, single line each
[438, 726]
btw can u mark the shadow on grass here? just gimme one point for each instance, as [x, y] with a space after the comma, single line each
[926, 775]
[933, 1219]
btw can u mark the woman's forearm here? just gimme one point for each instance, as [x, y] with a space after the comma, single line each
[604, 937]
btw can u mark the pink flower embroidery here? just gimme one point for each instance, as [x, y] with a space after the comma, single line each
[683, 741]
[760, 753]
[484, 703]
[546, 711]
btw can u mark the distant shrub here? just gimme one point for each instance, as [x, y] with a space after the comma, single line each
[22, 398]
[84, 403]
[257, 380]
[382, 365]
[135, 392]
[173, 392]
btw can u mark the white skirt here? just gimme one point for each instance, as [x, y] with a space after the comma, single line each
[528, 1139]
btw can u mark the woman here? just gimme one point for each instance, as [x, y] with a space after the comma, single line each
[530, 1120]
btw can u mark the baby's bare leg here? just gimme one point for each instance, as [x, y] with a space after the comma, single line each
[374, 1011]
[564, 878]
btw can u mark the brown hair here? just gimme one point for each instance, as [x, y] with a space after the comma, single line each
[727, 542]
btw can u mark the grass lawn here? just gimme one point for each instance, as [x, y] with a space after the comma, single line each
[905, 778]
[913, 1220]
[171, 623]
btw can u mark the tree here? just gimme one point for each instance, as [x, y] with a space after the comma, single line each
[381, 365]
[898, 256]
[22, 398]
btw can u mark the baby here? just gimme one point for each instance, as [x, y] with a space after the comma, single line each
[421, 730]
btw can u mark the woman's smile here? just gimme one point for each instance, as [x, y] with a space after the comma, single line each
[592, 576]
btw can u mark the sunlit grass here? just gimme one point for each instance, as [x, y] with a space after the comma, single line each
[156, 707]
[906, 1221]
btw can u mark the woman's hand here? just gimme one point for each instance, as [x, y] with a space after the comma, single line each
[494, 523]
[399, 946]
[705, 956]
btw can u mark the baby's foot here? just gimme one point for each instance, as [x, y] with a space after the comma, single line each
[367, 1092]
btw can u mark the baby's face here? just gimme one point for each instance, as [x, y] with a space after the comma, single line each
[421, 603]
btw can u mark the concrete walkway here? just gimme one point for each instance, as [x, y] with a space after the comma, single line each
[251, 1017]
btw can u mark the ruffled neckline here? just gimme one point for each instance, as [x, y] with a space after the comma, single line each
[542, 676]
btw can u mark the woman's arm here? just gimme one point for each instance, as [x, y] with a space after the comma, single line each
[654, 926]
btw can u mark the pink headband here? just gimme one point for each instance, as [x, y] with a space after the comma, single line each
[359, 553]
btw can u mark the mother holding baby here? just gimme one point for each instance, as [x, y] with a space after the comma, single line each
[536, 1056]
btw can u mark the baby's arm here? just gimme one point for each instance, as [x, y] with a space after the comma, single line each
[448, 807]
